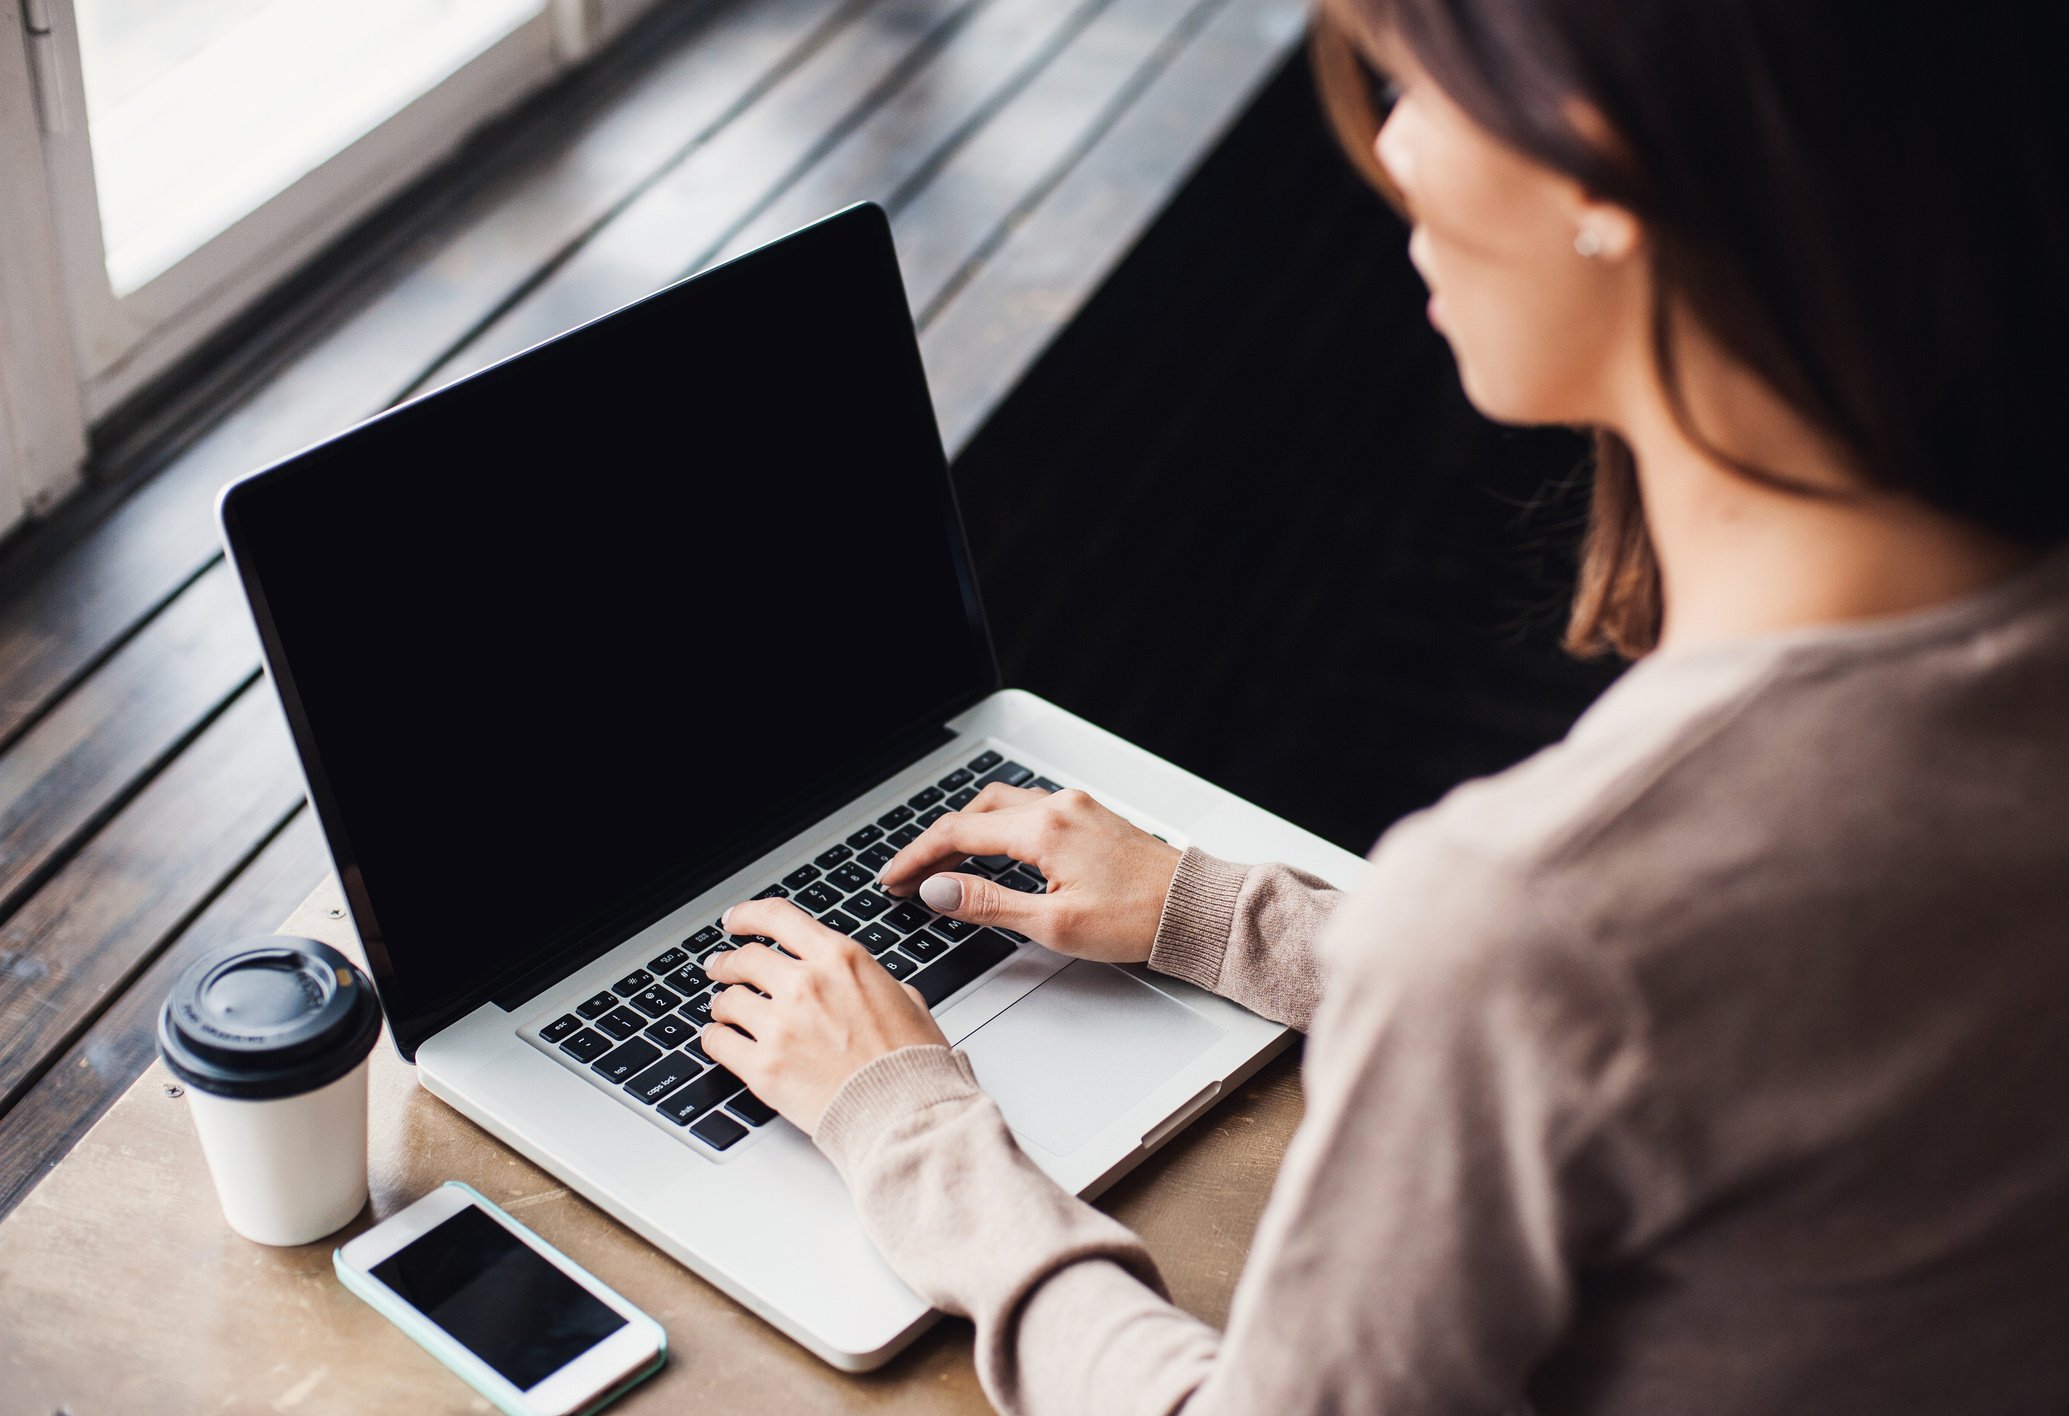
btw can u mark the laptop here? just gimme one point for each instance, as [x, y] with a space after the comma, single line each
[667, 612]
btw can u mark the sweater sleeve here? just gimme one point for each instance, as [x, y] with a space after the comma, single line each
[1454, 1165]
[1246, 932]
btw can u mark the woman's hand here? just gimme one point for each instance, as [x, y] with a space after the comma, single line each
[1107, 878]
[829, 1012]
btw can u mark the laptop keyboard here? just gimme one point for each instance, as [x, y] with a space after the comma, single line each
[640, 1036]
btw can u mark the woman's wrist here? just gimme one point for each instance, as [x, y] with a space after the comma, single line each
[1198, 917]
[887, 1091]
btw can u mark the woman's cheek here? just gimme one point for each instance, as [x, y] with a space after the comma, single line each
[1521, 325]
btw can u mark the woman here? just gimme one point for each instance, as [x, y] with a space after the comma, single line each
[1711, 1060]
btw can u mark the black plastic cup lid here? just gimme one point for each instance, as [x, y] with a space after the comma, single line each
[268, 1017]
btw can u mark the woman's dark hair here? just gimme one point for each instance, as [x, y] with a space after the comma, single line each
[1864, 201]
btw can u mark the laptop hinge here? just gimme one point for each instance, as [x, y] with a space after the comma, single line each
[880, 767]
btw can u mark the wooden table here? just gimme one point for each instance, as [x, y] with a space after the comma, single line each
[122, 1290]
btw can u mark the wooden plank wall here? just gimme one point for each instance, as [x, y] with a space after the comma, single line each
[148, 805]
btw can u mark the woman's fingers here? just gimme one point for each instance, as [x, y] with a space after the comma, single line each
[756, 965]
[986, 902]
[831, 1013]
[1019, 832]
[730, 1048]
[743, 1008]
[783, 922]
[1000, 797]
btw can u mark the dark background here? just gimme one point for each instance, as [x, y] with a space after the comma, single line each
[1243, 514]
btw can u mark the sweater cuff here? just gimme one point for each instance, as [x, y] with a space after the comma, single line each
[886, 1091]
[1199, 915]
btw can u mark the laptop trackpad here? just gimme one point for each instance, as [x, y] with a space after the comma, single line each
[1072, 1055]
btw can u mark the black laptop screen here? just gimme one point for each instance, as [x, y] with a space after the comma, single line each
[562, 642]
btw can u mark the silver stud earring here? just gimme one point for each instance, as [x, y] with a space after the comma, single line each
[1588, 242]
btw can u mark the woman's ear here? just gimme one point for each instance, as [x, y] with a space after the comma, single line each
[1602, 230]
[1606, 232]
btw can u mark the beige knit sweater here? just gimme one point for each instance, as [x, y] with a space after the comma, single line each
[1715, 1060]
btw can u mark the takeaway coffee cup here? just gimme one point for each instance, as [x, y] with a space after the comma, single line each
[270, 1037]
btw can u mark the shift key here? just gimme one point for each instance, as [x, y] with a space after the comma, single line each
[686, 1103]
[961, 964]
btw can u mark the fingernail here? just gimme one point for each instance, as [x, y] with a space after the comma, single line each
[942, 892]
[725, 921]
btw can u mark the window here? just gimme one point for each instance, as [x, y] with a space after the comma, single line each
[166, 162]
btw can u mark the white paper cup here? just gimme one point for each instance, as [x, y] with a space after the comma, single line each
[270, 1037]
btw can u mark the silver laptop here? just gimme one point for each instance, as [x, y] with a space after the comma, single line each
[665, 613]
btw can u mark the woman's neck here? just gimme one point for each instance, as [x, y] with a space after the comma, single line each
[1738, 558]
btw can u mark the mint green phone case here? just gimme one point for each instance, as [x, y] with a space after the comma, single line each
[464, 1364]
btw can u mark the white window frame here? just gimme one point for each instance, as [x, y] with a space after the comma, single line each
[42, 419]
[71, 348]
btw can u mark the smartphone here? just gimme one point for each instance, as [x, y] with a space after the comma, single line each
[521, 1323]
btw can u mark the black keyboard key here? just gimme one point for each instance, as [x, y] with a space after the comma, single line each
[699, 1095]
[959, 778]
[751, 1109]
[924, 798]
[698, 1009]
[903, 837]
[561, 1028]
[1011, 773]
[866, 904]
[867, 836]
[875, 938]
[669, 962]
[953, 929]
[626, 1059]
[703, 939]
[850, 877]
[632, 983]
[696, 1049]
[801, 877]
[772, 892]
[689, 980]
[657, 1001]
[846, 924]
[961, 799]
[1034, 873]
[981, 951]
[876, 857]
[897, 965]
[985, 761]
[596, 1007]
[908, 917]
[819, 897]
[621, 1023]
[931, 815]
[925, 947]
[831, 856]
[1046, 785]
[894, 818]
[663, 1077]
[586, 1045]
[993, 864]
[1018, 880]
[671, 1031]
[718, 1130]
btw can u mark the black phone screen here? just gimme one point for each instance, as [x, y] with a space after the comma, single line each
[497, 1298]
